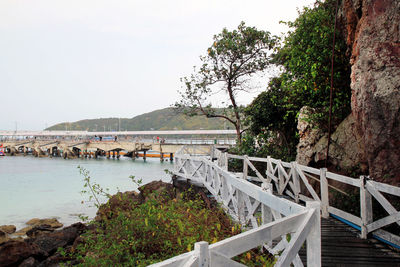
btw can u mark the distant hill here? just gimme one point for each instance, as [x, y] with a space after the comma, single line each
[162, 119]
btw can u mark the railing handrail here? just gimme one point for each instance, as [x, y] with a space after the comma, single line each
[285, 174]
[242, 199]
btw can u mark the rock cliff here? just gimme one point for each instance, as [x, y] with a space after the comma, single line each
[373, 36]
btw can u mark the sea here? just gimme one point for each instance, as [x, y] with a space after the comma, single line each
[33, 187]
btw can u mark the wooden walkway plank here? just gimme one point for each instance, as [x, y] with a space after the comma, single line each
[342, 246]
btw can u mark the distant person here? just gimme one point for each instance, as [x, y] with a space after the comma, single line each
[100, 137]
[115, 138]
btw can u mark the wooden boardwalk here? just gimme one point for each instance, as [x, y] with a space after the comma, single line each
[269, 205]
[341, 246]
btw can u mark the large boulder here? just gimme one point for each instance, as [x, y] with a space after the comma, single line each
[373, 36]
[3, 237]
[14, 252]
[36, 225]
[346, 149]
[8, 229]
[309, 136]
[40, 249]
[52, 222]
[51, 241]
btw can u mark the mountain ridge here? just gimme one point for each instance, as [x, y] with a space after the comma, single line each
[161, 119]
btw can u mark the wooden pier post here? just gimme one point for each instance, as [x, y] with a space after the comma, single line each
[144, 155]
[171, 157]
[118, 155]
[161, 157]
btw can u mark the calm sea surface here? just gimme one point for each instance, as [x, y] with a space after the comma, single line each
[50, 187]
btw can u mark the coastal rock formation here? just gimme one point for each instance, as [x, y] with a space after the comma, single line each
[373, 37]
[346, 149]
[53, 223]
[36, 225]
[3, 237]
[8, 229]
[309, 136]
[14, 252]
[51, 241]
[39, 251]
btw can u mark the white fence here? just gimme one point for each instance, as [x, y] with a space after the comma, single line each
[294, 180]
[271, 218]
[244, 200]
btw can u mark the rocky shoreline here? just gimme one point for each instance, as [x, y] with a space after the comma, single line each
[38, 244]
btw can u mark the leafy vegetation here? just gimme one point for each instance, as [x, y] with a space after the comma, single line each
[305, 57]
[163, 119]
[145, 232]
[234, 57]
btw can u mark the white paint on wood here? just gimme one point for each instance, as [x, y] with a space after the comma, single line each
[324, 193]
[203, 254]
[217, 259]
[343, 179]
[296, 241]
[395, 239]
[366, 207]
[383, 222]
[314, 237]
[307, 184]
[381, 199]
[345, 215]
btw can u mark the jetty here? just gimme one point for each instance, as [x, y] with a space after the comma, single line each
[74, 144]
[287, 209]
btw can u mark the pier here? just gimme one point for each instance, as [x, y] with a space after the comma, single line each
[74, 144]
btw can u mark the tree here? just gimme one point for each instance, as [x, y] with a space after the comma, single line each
[231, 61]
[267, 114]
[306, 57]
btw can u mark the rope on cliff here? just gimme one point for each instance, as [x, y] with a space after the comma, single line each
[330, 95]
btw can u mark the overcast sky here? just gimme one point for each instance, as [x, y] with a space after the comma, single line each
[67, 60]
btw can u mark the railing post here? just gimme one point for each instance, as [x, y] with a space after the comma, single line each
[225, 167]
[365, 206]
[296, 181]
[245, 167]
[201, 250]
[266, 213]
[281, 181]
[240, 205]
[324, 193]
[314, 237]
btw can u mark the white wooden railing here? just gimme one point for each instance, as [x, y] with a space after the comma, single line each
[272, 217]
[269, 218]
[295, 180]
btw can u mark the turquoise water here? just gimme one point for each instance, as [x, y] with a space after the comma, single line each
[50, 187]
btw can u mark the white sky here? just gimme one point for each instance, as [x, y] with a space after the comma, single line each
[67, 60]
